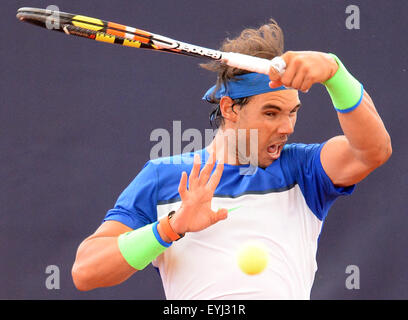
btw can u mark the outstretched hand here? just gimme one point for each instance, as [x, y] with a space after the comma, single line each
[195, 213]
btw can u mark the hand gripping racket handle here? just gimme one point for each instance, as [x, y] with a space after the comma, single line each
[254, 64]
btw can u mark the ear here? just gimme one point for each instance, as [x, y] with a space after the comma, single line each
[227, 109]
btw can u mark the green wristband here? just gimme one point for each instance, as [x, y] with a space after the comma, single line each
[141, 246]
[345, 91]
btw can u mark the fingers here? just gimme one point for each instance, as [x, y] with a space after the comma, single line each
[204, 177]
[298, 79]
[206, 172]
[278, 65]
[290, 73]
[298, 73]
[275, 76]
[216, 177]
[307, 83]
[194, 171]
[288, 77]
[182, 189]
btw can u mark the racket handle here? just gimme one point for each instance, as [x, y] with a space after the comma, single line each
[254, 64]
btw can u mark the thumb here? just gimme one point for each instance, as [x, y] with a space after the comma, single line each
[274, 75]
[221, 214]
[275, 84]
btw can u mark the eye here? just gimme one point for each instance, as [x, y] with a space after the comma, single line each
[294, 112]
[296, 109]
[270, 114]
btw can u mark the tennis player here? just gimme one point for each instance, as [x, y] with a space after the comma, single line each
[174, 214]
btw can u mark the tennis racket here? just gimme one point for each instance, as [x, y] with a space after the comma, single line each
[115, 33]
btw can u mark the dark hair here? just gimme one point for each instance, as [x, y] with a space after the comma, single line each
[216, 118]
[265, 42]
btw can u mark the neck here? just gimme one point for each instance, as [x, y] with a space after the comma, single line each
[224, 145]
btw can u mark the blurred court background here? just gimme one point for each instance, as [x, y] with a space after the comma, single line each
[76, 118]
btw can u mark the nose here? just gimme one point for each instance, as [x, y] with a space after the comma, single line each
[286, 126]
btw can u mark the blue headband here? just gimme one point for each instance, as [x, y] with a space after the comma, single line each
[247, 85]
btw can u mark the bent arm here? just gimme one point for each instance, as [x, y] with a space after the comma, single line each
[365, 145]
[112, 254]
[98, 262]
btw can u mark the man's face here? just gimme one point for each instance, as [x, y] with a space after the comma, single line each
[274, 115]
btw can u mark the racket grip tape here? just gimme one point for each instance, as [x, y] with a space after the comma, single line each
[253, 64]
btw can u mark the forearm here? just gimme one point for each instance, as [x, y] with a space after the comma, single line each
[366, 133]
[115, 252]
[99, 263]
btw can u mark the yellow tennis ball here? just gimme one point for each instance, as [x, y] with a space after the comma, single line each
[252, 257]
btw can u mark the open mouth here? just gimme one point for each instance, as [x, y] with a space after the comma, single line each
[274, 150]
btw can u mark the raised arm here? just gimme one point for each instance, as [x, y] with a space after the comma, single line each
[366, 144]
